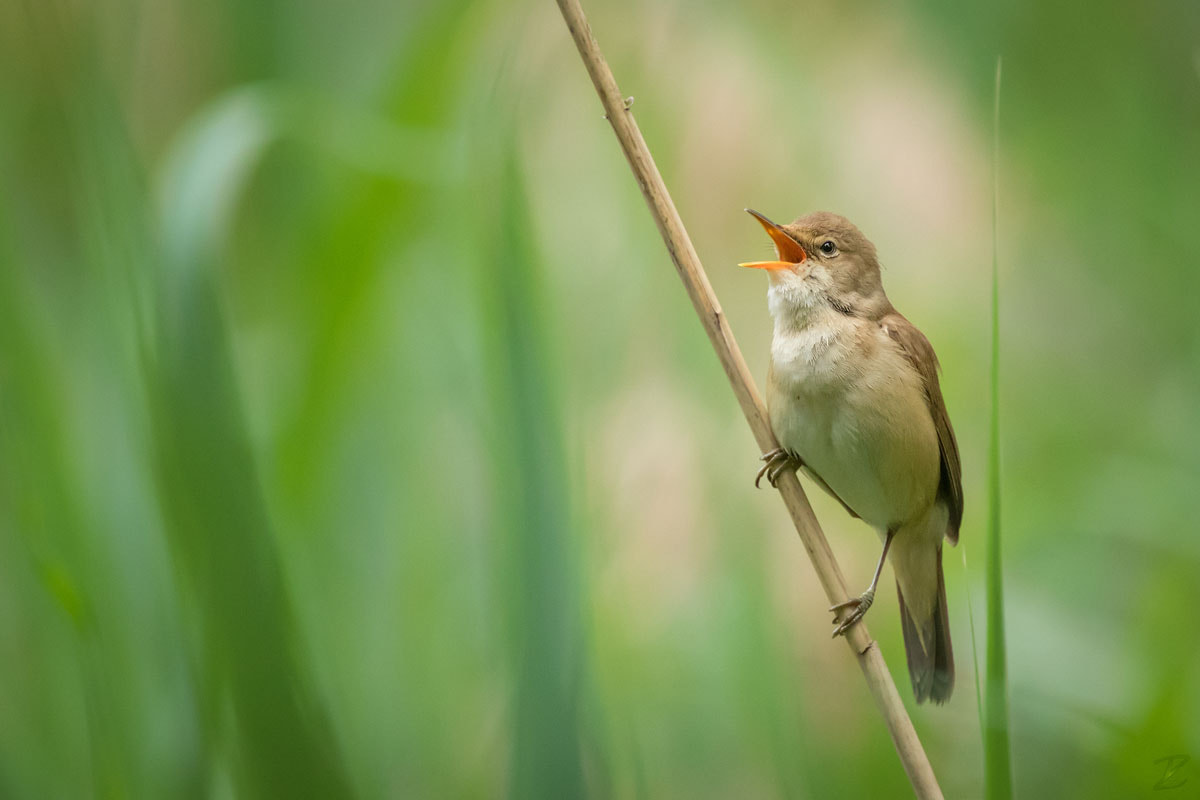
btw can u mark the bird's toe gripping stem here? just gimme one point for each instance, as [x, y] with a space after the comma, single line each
[858, 608]
[777, 462]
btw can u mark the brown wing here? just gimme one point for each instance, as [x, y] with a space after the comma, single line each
[920, 353]
[821, 482]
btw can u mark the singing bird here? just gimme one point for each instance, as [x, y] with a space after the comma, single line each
[854, 400]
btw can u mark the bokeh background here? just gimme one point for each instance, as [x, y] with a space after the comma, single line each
[357, 438]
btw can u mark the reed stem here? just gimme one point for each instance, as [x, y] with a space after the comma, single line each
[695, 281]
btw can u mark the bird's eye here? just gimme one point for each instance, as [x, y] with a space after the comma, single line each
[828, 247]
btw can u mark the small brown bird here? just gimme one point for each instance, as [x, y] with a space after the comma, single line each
[854, 400]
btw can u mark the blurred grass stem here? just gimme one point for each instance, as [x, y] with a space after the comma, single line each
[997, 748]
[866, 650]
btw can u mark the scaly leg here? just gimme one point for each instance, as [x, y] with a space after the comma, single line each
[860, 604]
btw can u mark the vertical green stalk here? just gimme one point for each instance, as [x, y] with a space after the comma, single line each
[997, 755]
[256, 682]
[542, 605]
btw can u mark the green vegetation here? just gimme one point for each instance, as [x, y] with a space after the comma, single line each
[997, 747]
[357, 439]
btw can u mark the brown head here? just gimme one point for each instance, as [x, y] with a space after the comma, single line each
[823, 260]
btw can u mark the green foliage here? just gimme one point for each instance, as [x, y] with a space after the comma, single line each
[997, 750]
[215, 516]
[357, 439]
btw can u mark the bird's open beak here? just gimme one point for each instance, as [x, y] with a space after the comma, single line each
[790, 251]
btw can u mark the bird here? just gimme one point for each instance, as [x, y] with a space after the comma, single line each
[854, 401]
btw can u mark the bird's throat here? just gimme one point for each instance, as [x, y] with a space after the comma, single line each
[793, 305]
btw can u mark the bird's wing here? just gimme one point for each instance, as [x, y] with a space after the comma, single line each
[821, 482]
[919, 352]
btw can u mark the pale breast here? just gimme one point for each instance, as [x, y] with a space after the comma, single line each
[845, 399]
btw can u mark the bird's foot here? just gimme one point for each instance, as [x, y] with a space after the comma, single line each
[858, 608]
[777, 462]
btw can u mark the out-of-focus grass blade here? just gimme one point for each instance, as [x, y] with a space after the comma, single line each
[217, 522]
[534, 512]
[75, 665]
[39, 509]
[997, 750]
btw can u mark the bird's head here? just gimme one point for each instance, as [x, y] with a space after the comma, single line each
[823, 259]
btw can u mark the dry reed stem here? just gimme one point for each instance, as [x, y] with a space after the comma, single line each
[865, 649]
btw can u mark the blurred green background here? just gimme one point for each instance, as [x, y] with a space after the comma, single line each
[357, 439]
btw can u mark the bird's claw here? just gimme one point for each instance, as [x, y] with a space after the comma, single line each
[777, 462]
[858, 605]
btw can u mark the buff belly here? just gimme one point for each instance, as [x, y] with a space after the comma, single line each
[855, 411]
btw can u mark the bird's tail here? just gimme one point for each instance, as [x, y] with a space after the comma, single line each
[927, 642]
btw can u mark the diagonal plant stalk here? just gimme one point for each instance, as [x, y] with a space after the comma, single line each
[687, 263]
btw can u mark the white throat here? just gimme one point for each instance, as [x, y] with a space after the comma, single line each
[794, 305]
